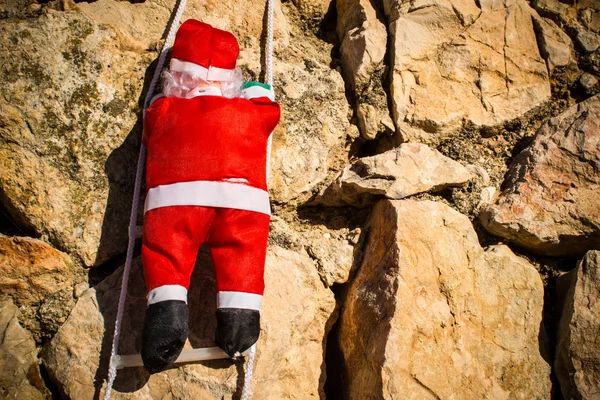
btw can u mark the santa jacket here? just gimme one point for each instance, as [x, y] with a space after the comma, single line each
[210, 150]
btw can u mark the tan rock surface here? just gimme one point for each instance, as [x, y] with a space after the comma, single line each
[30, 270]
[467, 60]
[297, 313]
[550, 204]
[65, 107]
[577, 362]
[19, 373]
[431, 315]
[331, 248]
[406, 170]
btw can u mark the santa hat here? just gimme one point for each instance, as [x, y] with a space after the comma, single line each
[204, 52]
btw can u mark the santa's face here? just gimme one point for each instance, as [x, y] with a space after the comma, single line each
[185, 85]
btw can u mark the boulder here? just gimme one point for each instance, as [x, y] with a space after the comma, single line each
[19, 372]
[588, 82]
[588, 41]
[551, 194]
[30, 270]
[406, 170]
[577, 362]
[363, 37]
[555, 46]
[462, 61]
[331, 248]
[298, 312]
[432, 315]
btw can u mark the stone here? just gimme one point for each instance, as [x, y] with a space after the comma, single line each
[588, 81]
[588, 41]
[333, 257]
[297, 313]
[577, 363]
[329, 240]
[373, 120]
[19, 372]
[363, 39]
[30, 270]
[431, 315]
[307, 149]
[19, 8]
[479, 174]
[406, 170]
[552, 190]
[462, 61]
[555, 46]
[486, 197]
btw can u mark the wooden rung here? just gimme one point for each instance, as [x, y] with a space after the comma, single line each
[202, 354]
[138, 231]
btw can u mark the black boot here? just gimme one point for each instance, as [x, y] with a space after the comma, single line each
[237, 329]
[165, 333]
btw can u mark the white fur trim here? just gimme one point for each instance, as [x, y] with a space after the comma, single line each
[208, 74]
[167, 292]
[209, 194]
[250, 301]
[254, 92]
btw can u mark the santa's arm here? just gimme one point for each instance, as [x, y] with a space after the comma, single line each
[150, 116]
[263, 96]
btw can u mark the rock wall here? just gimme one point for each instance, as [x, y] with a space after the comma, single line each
[434, 174]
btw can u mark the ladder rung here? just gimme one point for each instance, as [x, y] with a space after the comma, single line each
[139, 231]
[202, 354]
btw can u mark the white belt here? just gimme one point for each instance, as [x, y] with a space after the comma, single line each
[209, 194]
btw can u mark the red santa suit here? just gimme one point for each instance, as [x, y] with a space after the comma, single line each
[206, 177]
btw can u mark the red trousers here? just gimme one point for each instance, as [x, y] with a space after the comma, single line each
[237, 240]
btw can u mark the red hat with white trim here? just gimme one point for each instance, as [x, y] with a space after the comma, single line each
[204, 52]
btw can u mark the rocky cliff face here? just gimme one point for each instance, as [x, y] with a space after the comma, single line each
[433, 176]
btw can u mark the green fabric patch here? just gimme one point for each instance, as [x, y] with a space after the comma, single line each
[250, 84]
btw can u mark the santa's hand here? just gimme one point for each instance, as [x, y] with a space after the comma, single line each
[237, 329]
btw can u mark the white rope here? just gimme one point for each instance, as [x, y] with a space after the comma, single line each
[269, 78]
[269, 56]
[269, 72]
[112, 369]
[248, 375]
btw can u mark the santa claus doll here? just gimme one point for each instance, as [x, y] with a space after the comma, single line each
[206, 137]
